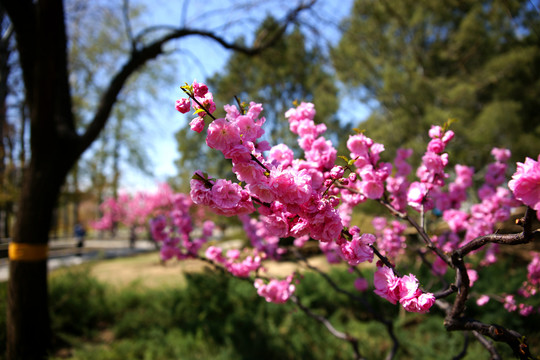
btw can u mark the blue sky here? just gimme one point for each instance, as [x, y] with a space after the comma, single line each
[198, 59]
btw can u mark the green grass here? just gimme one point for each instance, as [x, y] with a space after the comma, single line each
[214, 316]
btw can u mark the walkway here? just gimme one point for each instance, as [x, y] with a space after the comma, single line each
[63, 252]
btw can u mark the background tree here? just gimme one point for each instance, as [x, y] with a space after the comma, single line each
[291, 70]
[56, 143]
[423, 62]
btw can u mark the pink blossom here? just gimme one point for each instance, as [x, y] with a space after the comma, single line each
[337, 172]
[158, 228]
[448, 135]
[425, 302]
[243, 268]
[291, 186]
[436, 146]
[207, 101]
[238, 154]
[408, 288]
[281, 155]
[199, 89]
[417, 196]
[208, 228]
[233, 254]
[214, 253]
[261, 191]
[525, 310]
[386, 284]
[226, 194]
[200, 193]
[249, 172]
[533, 269]
[482, 300]
[322, 152]
[501, 155]
[276, 224]
[222, 135]
[525, 183]
[254, 111]
[249, 130]
[361, 284]
[358, 250]
[473, 276]
[197, 124]
[510, 303]
[435, 132]
[276, 291]
[183, 105]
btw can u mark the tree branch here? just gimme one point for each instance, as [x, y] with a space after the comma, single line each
[338, 334]
[456, 321]
[141, 56]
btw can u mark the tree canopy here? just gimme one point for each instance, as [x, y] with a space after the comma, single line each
[423, 62]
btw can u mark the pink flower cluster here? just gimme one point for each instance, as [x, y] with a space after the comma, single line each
[525, 184]
[397, 185]
[260, 238]
[292, 192]
[313, 198]
[201, 96]
[233, 262]
[172, 230]
[373, 174]
[276, 291]
[431, 172]
[358, 250]
[390, 238]
[403, 290]
[480, 219]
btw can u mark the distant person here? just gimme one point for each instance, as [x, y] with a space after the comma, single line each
[80, 233]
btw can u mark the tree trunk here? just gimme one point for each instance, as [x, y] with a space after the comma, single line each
[28, 314]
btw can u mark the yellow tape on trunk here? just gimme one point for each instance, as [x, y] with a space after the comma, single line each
[28, 252]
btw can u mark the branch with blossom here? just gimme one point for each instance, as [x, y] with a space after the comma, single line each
[311, 198]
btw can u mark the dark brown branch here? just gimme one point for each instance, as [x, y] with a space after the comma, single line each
[526, 236]
[420, 230]
[456, 321]
[387, 323]
[488, 345]
[338, 334]
[151, 51]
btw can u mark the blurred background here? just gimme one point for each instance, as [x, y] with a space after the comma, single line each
[387, 67]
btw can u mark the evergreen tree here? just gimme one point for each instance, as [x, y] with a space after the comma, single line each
[421, 62]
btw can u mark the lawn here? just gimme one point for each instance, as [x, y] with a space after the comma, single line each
[140, 308]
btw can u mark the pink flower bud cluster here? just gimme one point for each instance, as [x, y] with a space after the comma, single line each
[390, 238]
[403, 290]
[233, 262]
[201, 96]
[431, 172]
[276, 291]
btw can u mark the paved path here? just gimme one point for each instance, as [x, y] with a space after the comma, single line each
[93, 249]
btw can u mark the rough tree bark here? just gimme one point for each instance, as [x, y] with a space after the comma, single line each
[55, 147]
